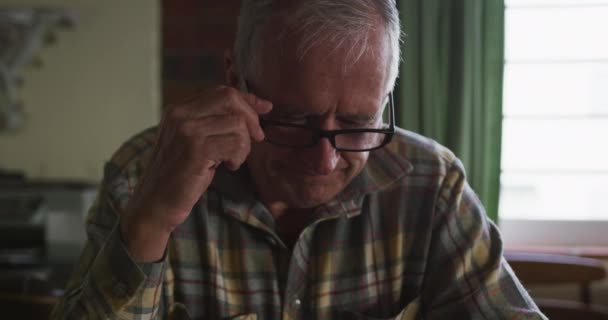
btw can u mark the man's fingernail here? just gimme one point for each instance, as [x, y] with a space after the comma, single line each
[267, 105]
[260, 135]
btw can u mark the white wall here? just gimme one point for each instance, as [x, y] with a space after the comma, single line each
[99, 84]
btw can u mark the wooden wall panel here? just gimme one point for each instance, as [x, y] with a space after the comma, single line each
[195, 35]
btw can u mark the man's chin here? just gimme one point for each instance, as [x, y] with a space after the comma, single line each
[303, 197]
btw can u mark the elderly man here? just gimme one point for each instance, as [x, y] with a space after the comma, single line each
[284, 195]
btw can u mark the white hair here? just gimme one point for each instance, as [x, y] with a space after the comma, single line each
[337, 22]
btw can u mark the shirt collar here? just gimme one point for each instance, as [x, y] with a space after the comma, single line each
[239, 198]
[383, 168]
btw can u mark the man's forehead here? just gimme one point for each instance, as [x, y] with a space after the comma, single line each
[318, 81]
[326, 66]
[340, 59]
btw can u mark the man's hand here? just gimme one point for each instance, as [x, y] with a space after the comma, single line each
[216, 127]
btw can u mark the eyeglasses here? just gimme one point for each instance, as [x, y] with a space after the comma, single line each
[299, 136]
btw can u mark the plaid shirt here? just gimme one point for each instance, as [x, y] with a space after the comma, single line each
[407, 239]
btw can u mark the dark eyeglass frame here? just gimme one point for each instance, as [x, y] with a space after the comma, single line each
[318, 134]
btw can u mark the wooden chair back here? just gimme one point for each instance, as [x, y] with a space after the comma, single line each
[554, 269]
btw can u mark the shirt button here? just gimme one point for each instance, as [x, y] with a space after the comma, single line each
[120, 290]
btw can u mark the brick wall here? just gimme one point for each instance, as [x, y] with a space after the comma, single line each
[195, 34]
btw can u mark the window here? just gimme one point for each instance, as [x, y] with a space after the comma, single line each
[555, 121]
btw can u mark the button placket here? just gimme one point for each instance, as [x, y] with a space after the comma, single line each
[295, 288]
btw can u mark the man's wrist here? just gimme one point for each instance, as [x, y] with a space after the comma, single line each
[145, 240]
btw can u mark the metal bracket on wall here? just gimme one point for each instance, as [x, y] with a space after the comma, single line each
[23, 32]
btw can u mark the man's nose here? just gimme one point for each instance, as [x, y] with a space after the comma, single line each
[323, 157]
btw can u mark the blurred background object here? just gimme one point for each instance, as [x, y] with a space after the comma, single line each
[24, 31]
[100, 84]
[41, 236]
[83, 96]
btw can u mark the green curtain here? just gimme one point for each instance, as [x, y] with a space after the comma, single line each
[450, 86]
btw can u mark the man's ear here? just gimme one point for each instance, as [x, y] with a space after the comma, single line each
[230, 69]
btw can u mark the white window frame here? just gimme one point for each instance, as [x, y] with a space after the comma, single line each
[571, 233]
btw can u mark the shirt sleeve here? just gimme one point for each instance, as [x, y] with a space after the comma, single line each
[107, 283]
[467, 277]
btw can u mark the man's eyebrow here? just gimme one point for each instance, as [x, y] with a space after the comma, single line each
[359, 117]
[288, 111]
[362, 116]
